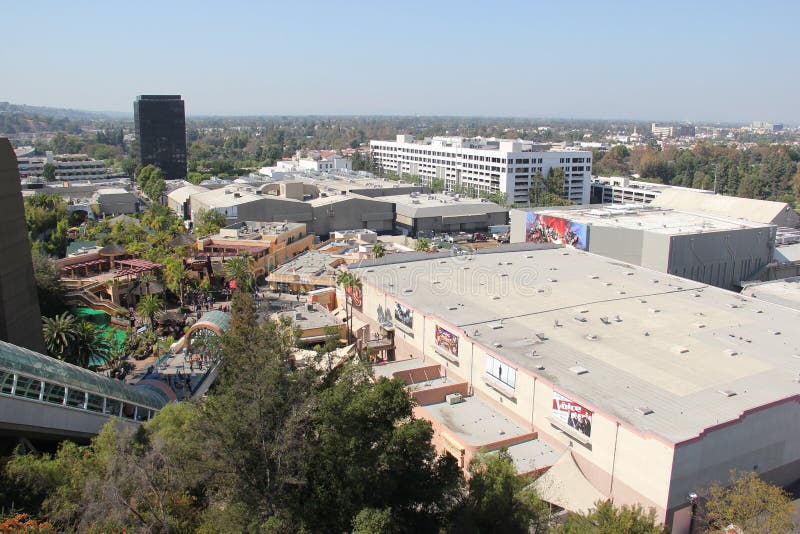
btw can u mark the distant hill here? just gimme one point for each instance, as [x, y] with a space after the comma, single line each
[60, 113]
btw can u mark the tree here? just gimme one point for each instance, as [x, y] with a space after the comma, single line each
[422, 245]
[49, 172]
[498, 500]
[437, 185]
[59, 334]
[150, 306]
[91, 345]
[240, 269]
[750, 503]
[607, 519]
[176, 275]
[151, 181]
[378, 250]
[350, 283]
[208, 222]
[548, 191]
[49, 287]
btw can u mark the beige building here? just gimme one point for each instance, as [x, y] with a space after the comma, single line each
[647, 386]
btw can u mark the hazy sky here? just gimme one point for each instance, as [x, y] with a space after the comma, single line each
[669, 60]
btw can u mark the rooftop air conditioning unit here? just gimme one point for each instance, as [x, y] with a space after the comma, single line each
[454, 398]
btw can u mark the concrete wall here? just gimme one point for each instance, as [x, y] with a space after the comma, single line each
[618, 243]
[117, 204]
[722, 259]
[766, 441]
[269, 209]
[20, 320]
[353, 213]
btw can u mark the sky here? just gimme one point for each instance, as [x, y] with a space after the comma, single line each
[705, 60]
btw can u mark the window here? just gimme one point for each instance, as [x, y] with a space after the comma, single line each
[502, 372]
[76, 398]
[94, 403]
[6, 382]
[27, 387]
[53, 393]
[113, 406]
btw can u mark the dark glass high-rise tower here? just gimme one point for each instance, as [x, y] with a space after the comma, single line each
[161, 132]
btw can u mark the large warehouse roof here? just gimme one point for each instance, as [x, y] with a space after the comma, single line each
[649, 218]
[661, 354]
[425, 205]
[764, 211]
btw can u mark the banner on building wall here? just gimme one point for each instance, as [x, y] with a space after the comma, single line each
[356, 296]
[547, 229]
[446, 341]
[572, 414]
[403, 315]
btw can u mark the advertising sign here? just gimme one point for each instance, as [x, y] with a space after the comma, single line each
[354, 292]
[403, 315]
[446, 341]
[572, 414]
[546, 229]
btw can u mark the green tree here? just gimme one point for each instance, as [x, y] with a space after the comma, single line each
[176, 275]
[422, 245]
[548, 191]
[150, 306]
[208, 222]
[90, 345]
[350, 284]
[498, 500]
[437, 185]
[49, 288]
[605, 518]
[374, 521]
[750, 503]
[240, 269]
[59, 334]
[151, 181]
[49, 172]
[378, 250]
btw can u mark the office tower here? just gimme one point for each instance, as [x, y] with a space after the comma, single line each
[161, 132]
[478, 166]
[20, 320]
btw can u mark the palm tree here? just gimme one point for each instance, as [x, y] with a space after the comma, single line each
[348, 281]
[59, 334]
[176, 274]
[378, 250]
[90, 343]
[422, 245]
[149, 306]
[240, 269]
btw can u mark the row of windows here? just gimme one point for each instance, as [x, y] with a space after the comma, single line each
[17, 385]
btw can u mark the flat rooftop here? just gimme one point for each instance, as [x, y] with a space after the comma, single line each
[430, 205]
[650, 219]
[311, 263]
[474, 422]
[310, 316]
[785, 292]
[695, 355]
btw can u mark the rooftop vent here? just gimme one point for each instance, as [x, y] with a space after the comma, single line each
[593, 276]
[629, 273]
[592, 337]
[541, 336]
[552, 280]
[604, 320]
[408, 290]
[730, 352]
[699, 325]
[727, 392]
[644, 410]
[401, 266]
[579, 370]
[452, 307]
[653, 310]
[497, 345]
[580, 319]
[495, 325]
[679, 350]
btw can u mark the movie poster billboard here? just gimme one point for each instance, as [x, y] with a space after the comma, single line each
[356, 296]
[547, 229]
[572, 414]
[403, 315]
[446, 341]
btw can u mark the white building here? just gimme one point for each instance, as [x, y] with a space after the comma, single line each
[623, 190]
[67, 167]
[484, 166]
